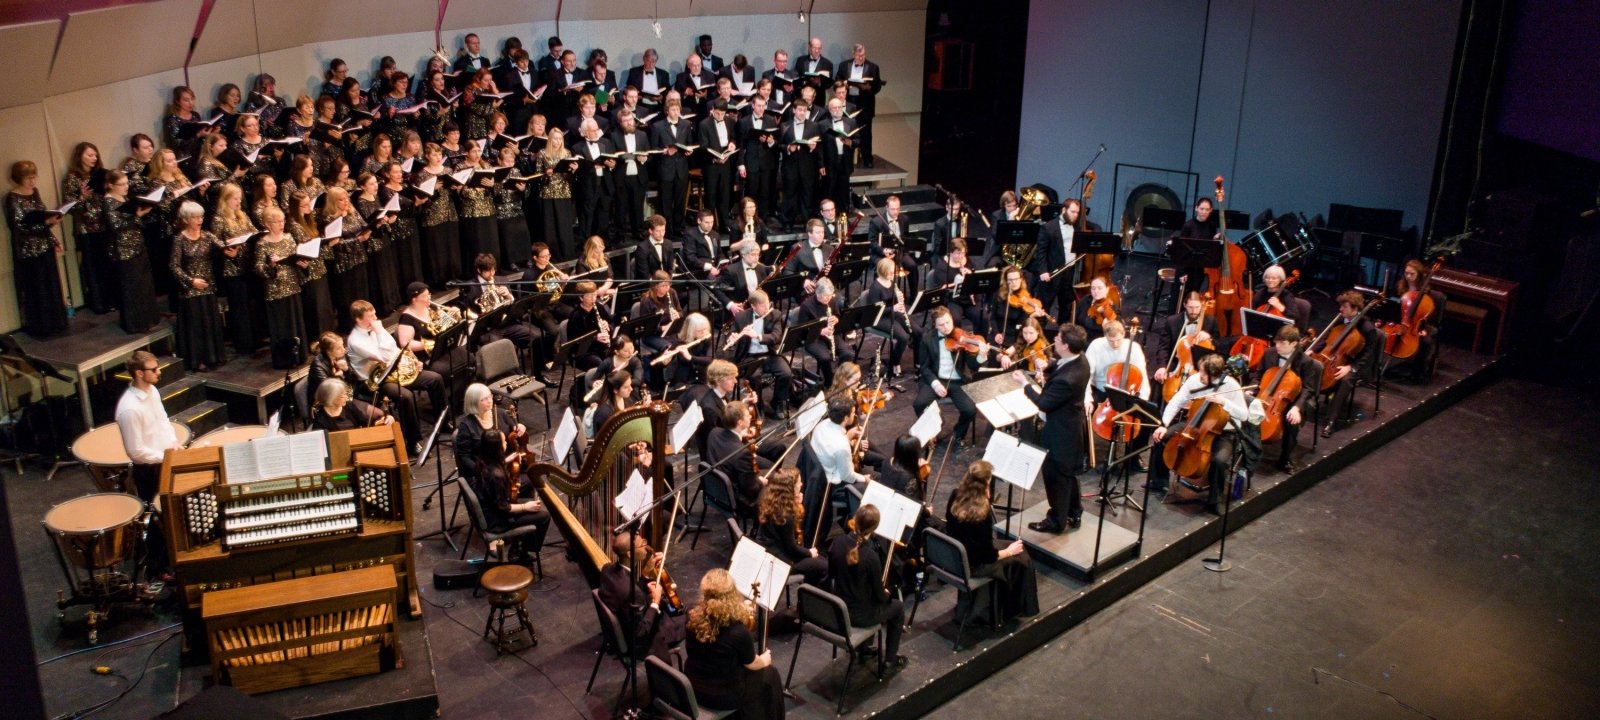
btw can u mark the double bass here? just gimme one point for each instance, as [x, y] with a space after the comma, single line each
[1253, 347]
[1402, 339]
[1339, 351]
[1101, 263]
[1122, 376]
[1227, 280]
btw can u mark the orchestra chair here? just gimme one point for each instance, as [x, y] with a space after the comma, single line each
[694, 192]
[480, 526]
[673, 695]
[613, 643]
[947, 560]
[716, 491]
[1302, 314]
[500, 369]
[507, 588]
[824, 615]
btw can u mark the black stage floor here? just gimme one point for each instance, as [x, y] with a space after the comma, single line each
[549, 679]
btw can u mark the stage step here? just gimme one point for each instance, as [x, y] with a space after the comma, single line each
[183, 394]
[171, 372]
[909, 195]
[203, 417]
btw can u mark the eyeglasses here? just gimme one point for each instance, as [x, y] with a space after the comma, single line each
[154, 369]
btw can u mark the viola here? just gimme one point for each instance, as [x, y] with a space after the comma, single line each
[959, 340]
[1341, 350]
[1122, 376]
[1035, 354]
[1254, 347]
[1402, 339]
[1227, 279]
[1188, 451]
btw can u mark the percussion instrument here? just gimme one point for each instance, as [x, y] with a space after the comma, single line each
[95, 531]
[1276, 244]
[100, 450]
[229, 436]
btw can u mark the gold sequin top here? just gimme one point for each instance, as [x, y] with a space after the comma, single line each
[89, 214]
[557, 185]
[191, 260]
[439, 209]
[280, 279]
[316, 269]
[350, 252]
[287, 188]
[226, 229]
[127, 238]
[369, 208]
[28, 239]
[477, 201]
[508, 198]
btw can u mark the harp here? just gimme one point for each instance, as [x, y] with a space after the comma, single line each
[605, 469]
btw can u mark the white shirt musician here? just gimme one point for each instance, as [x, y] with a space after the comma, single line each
[146, 432]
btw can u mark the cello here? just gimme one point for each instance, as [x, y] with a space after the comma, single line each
[1183, 353]
[1123, 376]
[1253, 347]
[1279, 389]
[1188, 451]
[1402, 339]
[1348, 345]
[1227, 280]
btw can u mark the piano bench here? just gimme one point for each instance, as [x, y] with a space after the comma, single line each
[1468, 313]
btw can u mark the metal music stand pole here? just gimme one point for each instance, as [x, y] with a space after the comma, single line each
[445, 528]
[1220, 562]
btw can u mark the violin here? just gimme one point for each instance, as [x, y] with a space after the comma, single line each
[1027, 303]
[1122, 376]
[1183, 352]
[1188, 451]
[1254, 347]
[517, 444]
[657, 566]
[869, 400]
[1227, 280]
[1103, 310]
[1402, 339]
[1347, 346]
[959, 340]
[1035, 354]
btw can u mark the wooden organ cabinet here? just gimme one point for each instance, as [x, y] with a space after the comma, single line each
[309, 573]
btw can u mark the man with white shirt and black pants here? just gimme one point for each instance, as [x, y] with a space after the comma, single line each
[672, 168]
[593, 185]
[716, 132]
[1210, 381]
[147, 434]
[833, 445]
[469, 61]
[368, 344]
[944, 373]
[838, 153]
[1053, 253]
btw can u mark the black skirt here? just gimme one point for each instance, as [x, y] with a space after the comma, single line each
[286, 327]
[478, 235]
[139, 311]
[441, 253]
[39, 296]
[241, 321]
[99, 276]
[199, 332]
[407, 246]
[383, 273]
[317, 304]
[515, 242]
[560, 215]
[348, 287]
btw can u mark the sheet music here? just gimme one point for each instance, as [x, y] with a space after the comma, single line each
[274, 456]
[239, 463]
[566, 434]
[1014, 461]
[811, 415]
[309, 451]
[928, 425]
[636, 495]
[334, 228]
[683, 432]
[896, 512]
[1008, 408]
[272, 423]
[751, 564]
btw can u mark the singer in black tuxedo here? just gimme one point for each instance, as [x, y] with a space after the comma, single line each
[1061, 400]
[838, 154]
[672, 165]
[799, 139]
[758, 156]
[717, 132]
[592, 183]
[864, 95]
[629, 180]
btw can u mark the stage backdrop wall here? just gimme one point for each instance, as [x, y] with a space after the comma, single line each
[1299, 104]
[115, 67]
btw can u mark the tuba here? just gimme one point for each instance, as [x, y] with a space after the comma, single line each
[1033, 202]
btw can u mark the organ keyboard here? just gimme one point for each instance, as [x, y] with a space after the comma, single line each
[357, 515]
[1498, 293]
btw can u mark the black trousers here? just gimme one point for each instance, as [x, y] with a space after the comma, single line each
[775, 372]
[628, 213]
[966, 409]
[1062, 489]
[893, 618]
[719, 188]
[669, 202]
[1216, 475]
[147, 482]
[826, 360]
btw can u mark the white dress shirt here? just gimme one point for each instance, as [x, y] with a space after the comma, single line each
[832, 447]
[1227, 393]
[629, 143]
[758, 326]
[649, 82]
[366, 346]
[142, 420]
[722, 135]
[594, 154]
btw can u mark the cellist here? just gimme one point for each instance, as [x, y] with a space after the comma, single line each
[1418, 368]
[1310, 374]
[1112, 348]
[1189, 321]
[1274, 293]
[1362, 364]
[1209, 382]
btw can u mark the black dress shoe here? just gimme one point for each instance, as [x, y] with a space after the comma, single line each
[1327, 430]
[1074, 523]
[1289, 468]
[1045, 526]
[867, 163]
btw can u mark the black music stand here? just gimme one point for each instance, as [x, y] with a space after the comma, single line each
[637, 327]
[784, 289]
[1094, 243]
[1236, 219]
[976, 246]
[776, 251]
[446, 527]
[982, 282]
[929, 299]
[627, 294]
[1195, 252]
[1016, 232]
[848, 272]
[851, 252]
[1384, 251]
[860, 317]
[1261, 325]
[1156, 218]
[1124, 404]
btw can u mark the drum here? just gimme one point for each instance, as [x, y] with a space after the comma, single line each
[95, 532]
[1280, 243]
[100, 450]
[228, 436]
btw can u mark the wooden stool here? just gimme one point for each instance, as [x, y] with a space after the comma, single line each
[507, 586]
[695, 191]
[1470, 313]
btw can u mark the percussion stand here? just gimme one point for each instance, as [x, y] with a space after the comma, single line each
[430, 447]
[9, 454]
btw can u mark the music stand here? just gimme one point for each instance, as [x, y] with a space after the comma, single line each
[784, 289]
[637, 327]
[1237, 219]
[846, 273]
[929, 299]
[1096, 243]
[1016, 232]
[982, 282]
[851, 252]
[627, 294]
[1124, 404]
[975, 246]
[918, 245]
[428, 447]
[1195, 252]
[776, 251]
[1384, 250]
[860, 317]
[1261, 325]
[1156, 218]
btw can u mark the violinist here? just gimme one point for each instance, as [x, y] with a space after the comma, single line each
[781, 523]
[504, 509]
[1310, 374]
[1215, 385]
[1008, 307]
[724, 666]
[827, 349]
[756, 332]
[479, 416]
[1062, 400]
[1030, 349]
[628, 588]
[952, 272]
[969, 519]
[1363, 364]
[1192, 322]
[907, 470]
[847, 384]
[855, 564]
[944, 371]
[728, 450]
[1104, 303]
[895, 320]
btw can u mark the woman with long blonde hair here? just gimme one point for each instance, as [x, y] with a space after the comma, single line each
[723, 664]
